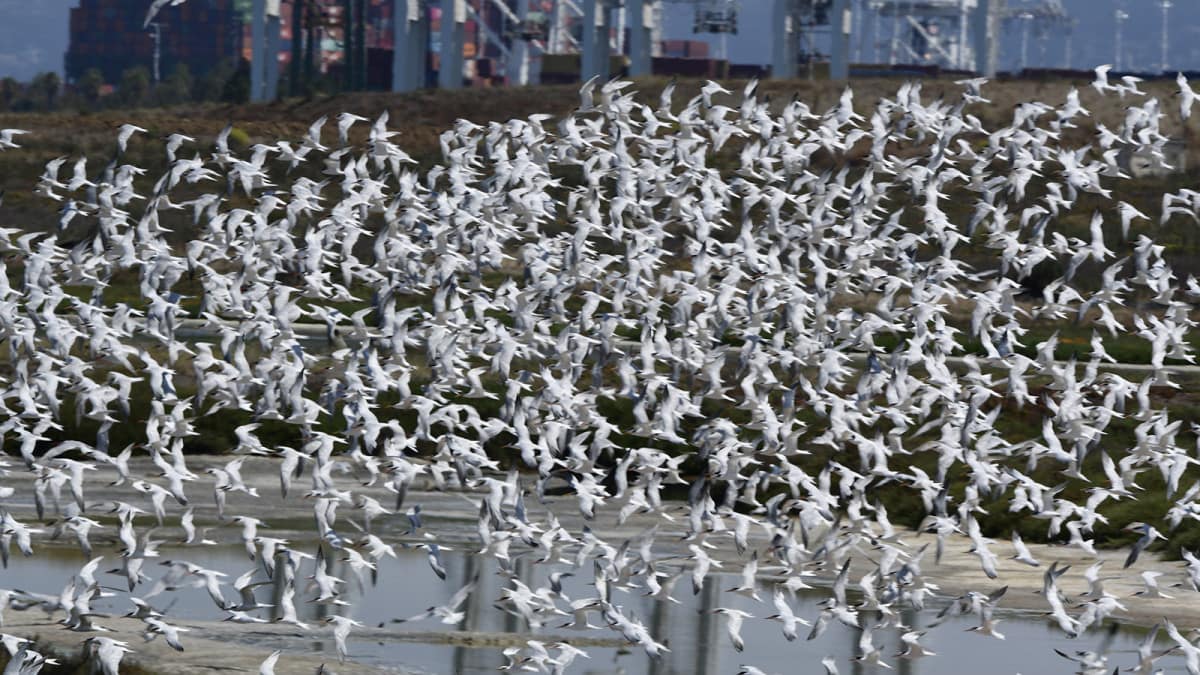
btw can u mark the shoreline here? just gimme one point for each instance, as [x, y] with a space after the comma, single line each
[453, 514]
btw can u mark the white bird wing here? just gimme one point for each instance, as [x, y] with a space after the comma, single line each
[267, 667]
[155, 8]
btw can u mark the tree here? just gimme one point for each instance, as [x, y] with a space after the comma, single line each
[237, 87]
[212, 85]
[10, 90]
[89, 85]
[135, 86]
[177, 87]
[44, 90]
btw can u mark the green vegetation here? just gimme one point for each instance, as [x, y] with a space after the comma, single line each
[422, 116]
[227, 82]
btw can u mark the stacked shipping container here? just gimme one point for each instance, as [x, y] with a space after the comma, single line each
[108, 35]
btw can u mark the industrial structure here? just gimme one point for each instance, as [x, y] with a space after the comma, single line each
[960, 34]
[108, 35]
[954, 34]
[404, 45]
[939, 32]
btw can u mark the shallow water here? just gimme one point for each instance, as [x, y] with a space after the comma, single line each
[697, 639]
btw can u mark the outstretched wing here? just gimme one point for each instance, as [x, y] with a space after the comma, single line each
[154, 9]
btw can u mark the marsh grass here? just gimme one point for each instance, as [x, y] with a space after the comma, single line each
[420, 118]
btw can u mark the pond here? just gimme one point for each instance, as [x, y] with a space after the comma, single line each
[697, 638]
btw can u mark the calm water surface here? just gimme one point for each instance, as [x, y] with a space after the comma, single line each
[697, 639]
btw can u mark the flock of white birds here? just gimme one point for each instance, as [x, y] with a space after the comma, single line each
[715, 270]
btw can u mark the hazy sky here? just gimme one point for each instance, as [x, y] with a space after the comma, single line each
[33, 35]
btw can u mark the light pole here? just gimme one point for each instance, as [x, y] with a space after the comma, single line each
[875, 32]
[1026, 20]
[961, 61]
[1121, 15]
[858, 7]
[1166, 6]
[1067, 49]
[156, 28]
[892, 38]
